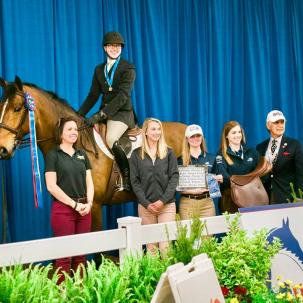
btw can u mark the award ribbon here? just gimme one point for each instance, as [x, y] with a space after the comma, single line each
[30, 105]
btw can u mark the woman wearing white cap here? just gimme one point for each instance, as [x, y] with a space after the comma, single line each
[234, 158]
[196, 202]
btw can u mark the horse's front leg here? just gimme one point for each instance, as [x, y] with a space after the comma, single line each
[96, 217]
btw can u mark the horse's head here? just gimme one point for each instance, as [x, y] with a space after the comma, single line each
[289, 241]
[13, 113]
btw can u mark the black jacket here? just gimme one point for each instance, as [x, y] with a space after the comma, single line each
[288, 168]
[152, 182]
[116, 104]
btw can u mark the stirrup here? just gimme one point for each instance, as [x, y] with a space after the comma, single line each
[120, 186]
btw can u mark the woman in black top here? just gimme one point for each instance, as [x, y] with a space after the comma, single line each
[68, 179]
[154, 177]
[234, 158]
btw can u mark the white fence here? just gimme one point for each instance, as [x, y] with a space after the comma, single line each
[128, 238]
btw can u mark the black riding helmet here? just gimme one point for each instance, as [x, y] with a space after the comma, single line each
[113, 38]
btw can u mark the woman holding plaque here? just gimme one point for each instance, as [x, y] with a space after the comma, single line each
[197, 201]
[154, 177]
[234, 158]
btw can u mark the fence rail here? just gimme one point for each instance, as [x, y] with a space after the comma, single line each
[128, 238]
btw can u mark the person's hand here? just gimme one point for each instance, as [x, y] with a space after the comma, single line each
[83, 209]
[152, 208]
[158, 205]
[96, 118]
[219, 178]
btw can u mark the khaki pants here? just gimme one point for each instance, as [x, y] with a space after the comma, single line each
[167, 214]
[115, 129]
[190, 208]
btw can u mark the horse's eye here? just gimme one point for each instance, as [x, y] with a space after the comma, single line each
[17, 109]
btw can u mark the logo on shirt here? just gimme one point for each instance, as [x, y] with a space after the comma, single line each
[219, 159]
[80, 157]
[250, 159]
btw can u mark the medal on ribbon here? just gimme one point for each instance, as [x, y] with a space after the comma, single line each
[111, 78]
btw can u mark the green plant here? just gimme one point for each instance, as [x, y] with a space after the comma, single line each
[189, 241]
[143, 275]
[135, 281]
[294, 194]
[28, 285]
[283, 292]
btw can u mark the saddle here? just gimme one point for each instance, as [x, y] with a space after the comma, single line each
[248, 190]
[130, 136]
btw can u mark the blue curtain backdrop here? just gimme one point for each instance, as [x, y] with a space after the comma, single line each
[197, 61]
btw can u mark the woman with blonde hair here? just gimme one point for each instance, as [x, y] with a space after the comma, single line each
[196, 201]
[234, 158]
[154, 177]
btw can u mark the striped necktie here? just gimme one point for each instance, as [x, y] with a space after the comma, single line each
[273, 149]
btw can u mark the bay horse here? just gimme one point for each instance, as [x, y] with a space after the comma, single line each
[49, 109]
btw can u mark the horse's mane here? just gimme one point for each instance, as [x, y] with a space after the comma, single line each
[11, 90]
[51, 94]
[290, 243]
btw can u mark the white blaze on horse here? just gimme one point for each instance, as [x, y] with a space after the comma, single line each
[49, 109]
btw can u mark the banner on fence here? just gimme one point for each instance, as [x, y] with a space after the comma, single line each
[285, 222]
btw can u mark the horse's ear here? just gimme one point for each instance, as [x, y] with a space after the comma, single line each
[18, 83]
[3, 83]
[285, 223]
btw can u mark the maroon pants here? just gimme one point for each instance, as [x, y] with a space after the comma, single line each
[67, 221]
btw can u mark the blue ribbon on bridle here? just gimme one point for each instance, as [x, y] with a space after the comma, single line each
[29, 103]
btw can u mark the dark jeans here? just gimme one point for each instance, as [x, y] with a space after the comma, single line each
[67, 221]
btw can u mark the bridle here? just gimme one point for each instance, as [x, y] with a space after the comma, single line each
[17, 130]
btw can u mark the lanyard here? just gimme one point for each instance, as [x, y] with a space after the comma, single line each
[110, 80]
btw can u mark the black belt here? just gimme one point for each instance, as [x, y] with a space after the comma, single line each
[80, 200]
[196, 197]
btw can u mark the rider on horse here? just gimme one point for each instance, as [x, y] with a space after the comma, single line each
[114, 79]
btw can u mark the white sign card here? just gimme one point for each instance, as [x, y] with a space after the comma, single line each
[192, 176]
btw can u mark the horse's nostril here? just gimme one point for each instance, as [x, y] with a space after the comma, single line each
[3, 152]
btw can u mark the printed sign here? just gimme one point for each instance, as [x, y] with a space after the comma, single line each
[285, 222]
[192, 176]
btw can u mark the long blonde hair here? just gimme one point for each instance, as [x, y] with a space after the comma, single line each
[162, 147]
[186, 150]
[224, 141]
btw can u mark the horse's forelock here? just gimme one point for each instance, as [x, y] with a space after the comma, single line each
[9, 91]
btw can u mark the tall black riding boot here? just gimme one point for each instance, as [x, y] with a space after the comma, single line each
[123, 165]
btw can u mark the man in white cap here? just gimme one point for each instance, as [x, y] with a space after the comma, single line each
[286, 156]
